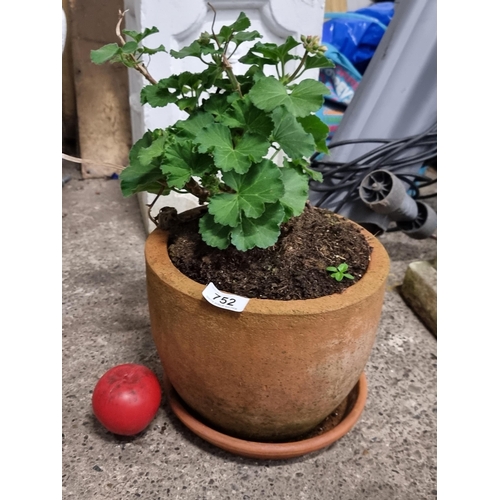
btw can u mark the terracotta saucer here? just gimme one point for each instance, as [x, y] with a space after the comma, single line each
[351, 409]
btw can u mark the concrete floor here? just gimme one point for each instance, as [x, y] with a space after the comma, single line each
[390, 453]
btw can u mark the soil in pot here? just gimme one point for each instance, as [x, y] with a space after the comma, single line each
[293, 269]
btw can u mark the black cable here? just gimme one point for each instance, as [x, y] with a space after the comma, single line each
[335, 105]
[329, 167]
[427, 196]
[430, 131]
[347, 176]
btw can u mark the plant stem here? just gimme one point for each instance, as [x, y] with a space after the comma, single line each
[137, 65]
[213, 23]
[226, 189]
[301, 73]
[282, 70]
[299, 67]
[232, 53]
[195, 189]
[226, 65]
[150, 206]
[229, 71]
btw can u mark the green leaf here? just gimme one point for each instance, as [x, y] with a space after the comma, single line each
[342, 267]
[130, 47]
[177, 176]
[213, 234]
[211, 182]
[231, 98]
[224, 34]
[252, 118]
[246, 36]
[276, 53]
[182, 162]
[144, 142]
[193, 50]
[319, 130]
[290, 135]
[268, 93]
[216, 105]
[159, 95]
[307, 97]
[338, 276]
[151, 52]
[227, 156]
[296, 191]
[350, 276]
[253, 75]
[132, 34]
[243, 114]
[188, 79]
[199, 163]
[262, 232]
[268, 50]
[315, 176]
[137, 177]
[318, 61]
[260, 185]
[284, 50]
[210, 75]
[122, 59]
[193, 125]
[230, 121]
[186, 103]
[155, 150]
[254, 59]
[104, 54]
[140, 36]
[224, 84]
[258, 122]
[242, 23]
[332, 269]
[210, 49]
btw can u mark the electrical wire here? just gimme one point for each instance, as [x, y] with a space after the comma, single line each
[394, 155]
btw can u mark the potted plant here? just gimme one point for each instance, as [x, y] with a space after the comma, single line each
[263, 309]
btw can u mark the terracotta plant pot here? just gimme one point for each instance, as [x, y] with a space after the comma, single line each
[350, 412]
[273, 371]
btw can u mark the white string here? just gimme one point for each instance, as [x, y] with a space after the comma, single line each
[74, 159]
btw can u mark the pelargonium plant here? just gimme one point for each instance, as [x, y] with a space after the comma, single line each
[225, 151]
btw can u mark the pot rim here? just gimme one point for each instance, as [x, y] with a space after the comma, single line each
[271, 451]
[158, 260]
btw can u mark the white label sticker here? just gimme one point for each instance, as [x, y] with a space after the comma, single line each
[224, 300]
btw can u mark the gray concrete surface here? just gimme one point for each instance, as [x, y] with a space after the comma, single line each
[390, 453]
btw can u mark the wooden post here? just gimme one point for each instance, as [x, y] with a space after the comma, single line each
[336, 6]
[102, 96]
[69, 117]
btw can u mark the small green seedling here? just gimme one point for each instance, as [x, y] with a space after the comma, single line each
[339, 273]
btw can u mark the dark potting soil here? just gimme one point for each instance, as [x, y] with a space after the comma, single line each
[293, 269]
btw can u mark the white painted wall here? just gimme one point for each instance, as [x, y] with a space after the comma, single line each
[180, 22]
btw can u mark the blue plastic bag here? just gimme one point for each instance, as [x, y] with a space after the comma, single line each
[356, 35]
[342, 81]
[351, 39]
[383, 11]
